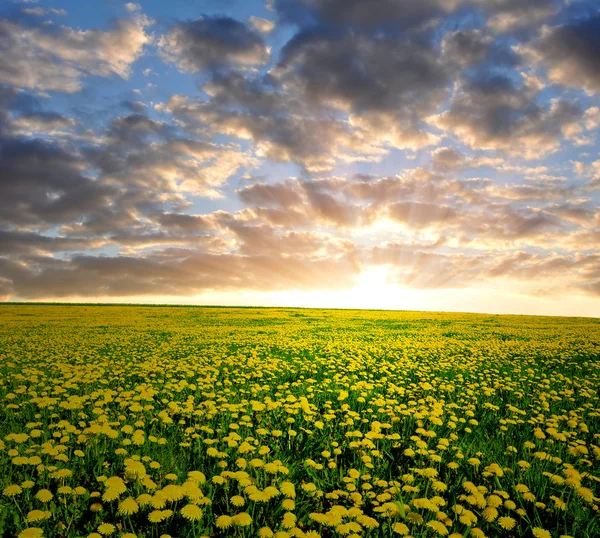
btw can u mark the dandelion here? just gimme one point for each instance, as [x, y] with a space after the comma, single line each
[12, 490]
[438, 527]
[237, 500]
[586, 494]
[128, 506]
[507, 523]
[37, 515]
[541, 533]
[242, 519]
[224, 522]
[106, 529]
[191, 512]
[44, 495]
[31, 532]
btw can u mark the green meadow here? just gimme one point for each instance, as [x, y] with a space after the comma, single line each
[153, 421]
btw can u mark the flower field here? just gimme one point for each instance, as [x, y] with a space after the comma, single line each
[139, 421]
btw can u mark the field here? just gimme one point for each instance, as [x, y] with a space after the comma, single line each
[185, 422]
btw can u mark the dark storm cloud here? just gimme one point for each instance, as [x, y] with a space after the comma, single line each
[212, 42]
[569, 53]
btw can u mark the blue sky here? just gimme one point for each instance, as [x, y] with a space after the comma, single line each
[421, 155]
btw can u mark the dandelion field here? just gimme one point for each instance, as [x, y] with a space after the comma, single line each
[186, 422]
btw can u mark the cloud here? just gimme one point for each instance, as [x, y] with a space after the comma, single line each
[385, 84]
[417, 215]
[510, 16]
[280, 128]
[284, 195]
[373, 13]
[569, 53]
[212, 42]
[181, 272]
[43, 59]
[492, 112]
[42, 184]
[445, 159]
[264, 26]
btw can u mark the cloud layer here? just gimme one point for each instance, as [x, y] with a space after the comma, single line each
[451, 144]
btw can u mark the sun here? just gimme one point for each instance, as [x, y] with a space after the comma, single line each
[374, 289]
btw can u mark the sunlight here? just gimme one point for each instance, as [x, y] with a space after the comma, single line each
[373, 289]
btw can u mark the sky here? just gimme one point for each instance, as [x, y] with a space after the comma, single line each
[399, 154]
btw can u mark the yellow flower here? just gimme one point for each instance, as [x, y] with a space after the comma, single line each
[238, 500]
[541, 533]
[37, 515]
[586, 494]
[265, 532]
[400, 528]
[288, 504]
[31, 532]
[289, 520]
[156, 516]
[507, 523]
[12, 490]
[106, 529]
[44, 495]
[191, 512]
[128, 506]
[224, 522]
[438, 527]
[242, 519]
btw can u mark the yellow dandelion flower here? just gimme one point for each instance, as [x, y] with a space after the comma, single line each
[538, 532]
[490, 513]
[265, 532]
[37, 515]
[128, 506]
[289, 520]
[367, 522]
[191, 512]
[288, 504]
[238, 500]
[224, 522]
[586, 494]
[288, 489]
[31, 532]
[438, 527]
[106, 529]
[144, 499]
[400, 528]
[44, 495]
[12, 490]
[243, 519]
[507, 523]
